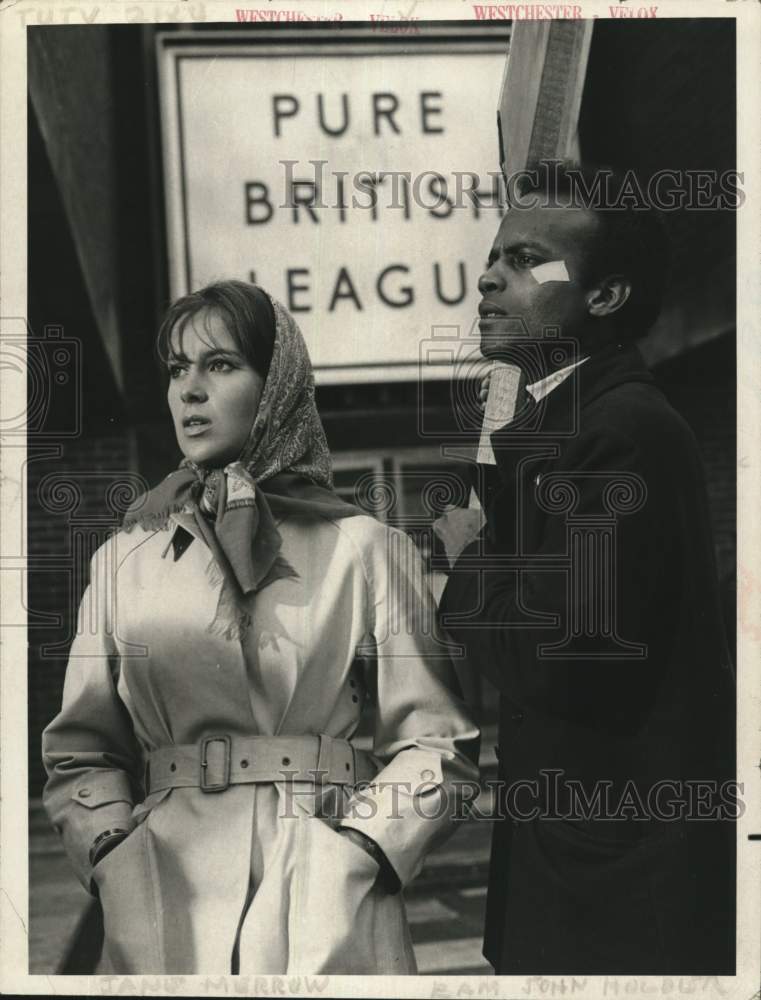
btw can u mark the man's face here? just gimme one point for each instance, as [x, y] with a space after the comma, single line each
[534, 276]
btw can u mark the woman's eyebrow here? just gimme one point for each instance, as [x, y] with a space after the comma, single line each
[205, 356]
[219, 352]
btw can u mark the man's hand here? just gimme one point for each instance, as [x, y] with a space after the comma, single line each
[483, 392]
[457, 529]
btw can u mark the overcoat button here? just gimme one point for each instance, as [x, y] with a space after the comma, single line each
[354, 698]
[286, 761]
[244, 763]
[84, 793]
[352, 682]
[172, 767]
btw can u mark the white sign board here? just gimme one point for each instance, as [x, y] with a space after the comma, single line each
[357, 183]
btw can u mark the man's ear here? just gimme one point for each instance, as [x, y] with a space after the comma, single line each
[608, 295]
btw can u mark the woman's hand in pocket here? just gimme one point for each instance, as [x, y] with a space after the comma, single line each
[105, 843]
[335, 874]
[368, 846]
[386, 878]
[101, 848]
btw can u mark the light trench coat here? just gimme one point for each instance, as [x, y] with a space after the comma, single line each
[258, 870]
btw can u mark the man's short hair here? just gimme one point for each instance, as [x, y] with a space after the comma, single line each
[633, 239]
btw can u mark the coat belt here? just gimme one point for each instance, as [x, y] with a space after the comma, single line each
[218, 761]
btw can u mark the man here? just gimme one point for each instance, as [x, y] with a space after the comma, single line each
[613, 846]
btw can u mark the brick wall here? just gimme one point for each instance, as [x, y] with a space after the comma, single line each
[70, 510]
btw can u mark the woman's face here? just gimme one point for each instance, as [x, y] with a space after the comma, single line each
[213, 392]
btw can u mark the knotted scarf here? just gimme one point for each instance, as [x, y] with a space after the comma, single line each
[283, 470]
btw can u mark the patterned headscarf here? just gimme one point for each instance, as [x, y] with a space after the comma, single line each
[284, 468]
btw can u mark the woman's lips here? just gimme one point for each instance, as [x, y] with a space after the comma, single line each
[194, 426]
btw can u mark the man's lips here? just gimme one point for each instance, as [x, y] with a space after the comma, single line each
[487, 310]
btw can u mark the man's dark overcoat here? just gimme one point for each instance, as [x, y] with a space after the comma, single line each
[638, 690]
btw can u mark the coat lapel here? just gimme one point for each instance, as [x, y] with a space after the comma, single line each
[551, 423]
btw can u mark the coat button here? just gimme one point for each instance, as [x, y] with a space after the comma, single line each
[84, 793]
[172, 766]
[244, 763]
[354, 698]
[286, 761]
[352, 682]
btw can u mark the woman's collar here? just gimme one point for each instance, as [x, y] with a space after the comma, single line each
[185, 524]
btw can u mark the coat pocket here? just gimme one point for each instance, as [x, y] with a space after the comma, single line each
[341, 922]
[590, 851]
[112, 854]
[127, 895]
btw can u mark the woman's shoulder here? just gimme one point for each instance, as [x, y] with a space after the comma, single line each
[366, 530]
[124, 543]
[375, 542]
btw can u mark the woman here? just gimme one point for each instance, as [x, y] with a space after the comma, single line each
[244, 615]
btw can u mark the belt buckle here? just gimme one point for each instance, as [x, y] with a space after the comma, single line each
[217, 786]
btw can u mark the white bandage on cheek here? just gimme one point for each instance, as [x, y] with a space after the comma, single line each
[553, 270]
